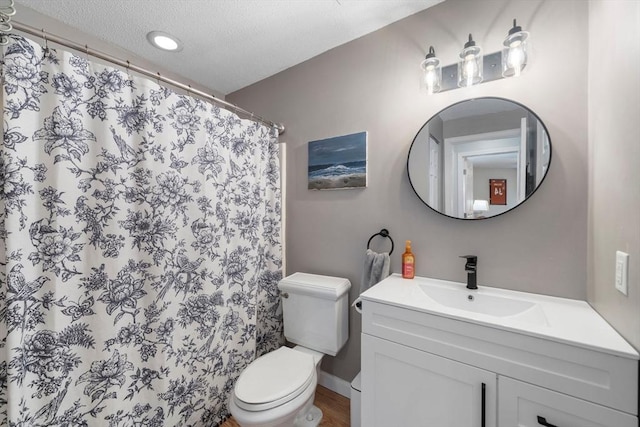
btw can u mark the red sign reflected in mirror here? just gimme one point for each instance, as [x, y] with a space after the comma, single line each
[498, 191]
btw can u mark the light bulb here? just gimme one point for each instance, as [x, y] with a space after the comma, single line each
[515, 57]
[469, 68]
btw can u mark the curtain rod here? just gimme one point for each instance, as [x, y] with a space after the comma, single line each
[129, 66]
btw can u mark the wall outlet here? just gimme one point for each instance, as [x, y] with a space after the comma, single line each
[622, 272]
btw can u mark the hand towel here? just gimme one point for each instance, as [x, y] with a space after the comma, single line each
[376, 268]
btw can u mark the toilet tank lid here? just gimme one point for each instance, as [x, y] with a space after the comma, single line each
[327, 287]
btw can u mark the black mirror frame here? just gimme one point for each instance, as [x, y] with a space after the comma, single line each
[478, 99]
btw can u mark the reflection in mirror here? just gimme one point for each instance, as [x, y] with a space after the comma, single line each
[479, 158]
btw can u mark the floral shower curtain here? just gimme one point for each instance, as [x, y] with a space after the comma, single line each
[140, 247]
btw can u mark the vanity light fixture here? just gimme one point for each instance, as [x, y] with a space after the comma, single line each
[514, 53]
[473, 67]
[164, 41]
[470, 64]
[432, 72]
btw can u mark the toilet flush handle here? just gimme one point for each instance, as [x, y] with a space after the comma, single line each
[284, 295]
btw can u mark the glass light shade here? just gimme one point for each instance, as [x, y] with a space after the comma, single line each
[432, 74]
[470, 66]
[514, 54]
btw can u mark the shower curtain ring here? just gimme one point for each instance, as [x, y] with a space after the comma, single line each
[46, 42]
[8, 10]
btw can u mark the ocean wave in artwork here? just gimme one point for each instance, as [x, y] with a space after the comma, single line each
[337, 170]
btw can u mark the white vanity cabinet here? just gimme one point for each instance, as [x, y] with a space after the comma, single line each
[526, 405]
[425, 365]
[409, 387]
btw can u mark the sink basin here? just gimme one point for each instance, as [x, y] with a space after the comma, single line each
[485, 303]
[562, 320]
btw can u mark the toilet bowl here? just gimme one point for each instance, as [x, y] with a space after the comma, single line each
[278, 389]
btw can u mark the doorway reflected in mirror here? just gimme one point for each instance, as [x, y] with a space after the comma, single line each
[462, 150]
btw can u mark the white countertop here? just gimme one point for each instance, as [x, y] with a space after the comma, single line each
[568, 321]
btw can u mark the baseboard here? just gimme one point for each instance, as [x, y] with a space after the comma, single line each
[335, 384]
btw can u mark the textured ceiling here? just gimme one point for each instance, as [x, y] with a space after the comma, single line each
[229, 44]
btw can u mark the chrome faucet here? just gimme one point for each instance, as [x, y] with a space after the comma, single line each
[471, 267]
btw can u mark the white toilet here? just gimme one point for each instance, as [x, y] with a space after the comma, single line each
[278, 388]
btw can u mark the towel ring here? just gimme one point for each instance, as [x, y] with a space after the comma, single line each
[384, 233]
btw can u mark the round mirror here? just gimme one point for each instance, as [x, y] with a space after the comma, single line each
[479, 158]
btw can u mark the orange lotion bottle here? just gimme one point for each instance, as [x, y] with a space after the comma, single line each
[408, 262]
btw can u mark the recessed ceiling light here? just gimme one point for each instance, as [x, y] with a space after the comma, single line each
[164, 41]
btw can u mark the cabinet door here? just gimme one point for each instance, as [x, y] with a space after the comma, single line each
[525, 405]
[402, 386]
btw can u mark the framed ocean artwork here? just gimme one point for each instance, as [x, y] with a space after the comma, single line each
[338, 163]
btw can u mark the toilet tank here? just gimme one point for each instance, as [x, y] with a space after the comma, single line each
[316, 311]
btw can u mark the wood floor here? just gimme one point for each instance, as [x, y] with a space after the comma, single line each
[334, 407]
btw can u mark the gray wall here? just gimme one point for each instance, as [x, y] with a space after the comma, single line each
[614, 154]
[373, 84]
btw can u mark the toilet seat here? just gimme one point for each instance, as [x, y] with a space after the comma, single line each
[274, 379]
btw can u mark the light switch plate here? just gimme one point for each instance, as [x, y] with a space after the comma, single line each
[622, 272]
